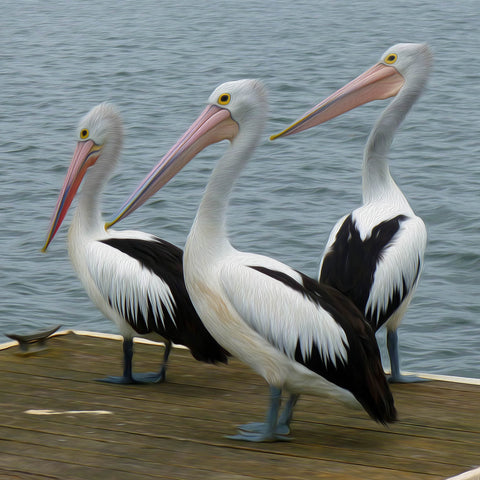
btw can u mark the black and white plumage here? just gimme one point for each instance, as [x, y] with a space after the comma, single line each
[296, 333]
[375, 254]
[135, 279]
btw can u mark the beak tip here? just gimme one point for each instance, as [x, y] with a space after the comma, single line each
[284, 133]
[278, 135]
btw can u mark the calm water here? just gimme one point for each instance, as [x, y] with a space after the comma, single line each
[158, 63]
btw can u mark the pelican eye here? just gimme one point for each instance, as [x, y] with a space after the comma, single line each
[84, 133]
[391, 58]
[224, 99]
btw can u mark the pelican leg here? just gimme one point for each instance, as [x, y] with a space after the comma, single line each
[128, 377]
[267, 431]
[159, 377]
[283, 425]
[396, 376]
[287, 414]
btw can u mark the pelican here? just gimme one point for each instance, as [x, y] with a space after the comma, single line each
[299, 335]
[374, 254]
[135, 279]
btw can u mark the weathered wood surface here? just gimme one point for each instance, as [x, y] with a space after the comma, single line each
[177, 430]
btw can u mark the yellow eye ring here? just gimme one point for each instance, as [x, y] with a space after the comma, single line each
[224, 99]
[84, 133]
[390, 58]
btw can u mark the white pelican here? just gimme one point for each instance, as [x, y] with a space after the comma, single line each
[291, 330]
[375, 254]
[135, 279]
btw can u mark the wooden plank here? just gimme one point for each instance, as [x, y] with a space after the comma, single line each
[177, 429]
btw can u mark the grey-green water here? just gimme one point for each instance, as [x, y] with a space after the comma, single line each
[159, 60]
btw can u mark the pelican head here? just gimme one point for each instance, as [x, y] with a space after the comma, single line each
[399, 65]
[232, 107]
[99, 137]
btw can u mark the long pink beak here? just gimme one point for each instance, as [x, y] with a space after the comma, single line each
[85, 155]
[377, 83]
[213, 125]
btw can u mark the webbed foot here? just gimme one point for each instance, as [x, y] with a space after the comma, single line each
[258, 427]
[399, 378]
[117, 380]
[136, 379]
[261, 436]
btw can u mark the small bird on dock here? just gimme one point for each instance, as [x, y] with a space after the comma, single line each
[135, 279]
[302, 337]
[374, 255]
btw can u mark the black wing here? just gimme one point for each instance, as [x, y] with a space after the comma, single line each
[182, 325]
[350, 265]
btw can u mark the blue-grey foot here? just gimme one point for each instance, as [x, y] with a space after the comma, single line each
[136, 379]
[150, 377]
[396, 376]
[258, 427]
[400, 378]
[272, 430]
[128, 378]
[283, 424]
[265, 436]
[118, 380]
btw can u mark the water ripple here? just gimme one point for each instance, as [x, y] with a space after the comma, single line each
[159, 63]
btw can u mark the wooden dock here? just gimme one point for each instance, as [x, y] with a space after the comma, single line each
[57, 422]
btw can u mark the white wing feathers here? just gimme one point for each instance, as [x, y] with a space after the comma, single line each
[127, 286]
[283, 316]
[400, 265]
